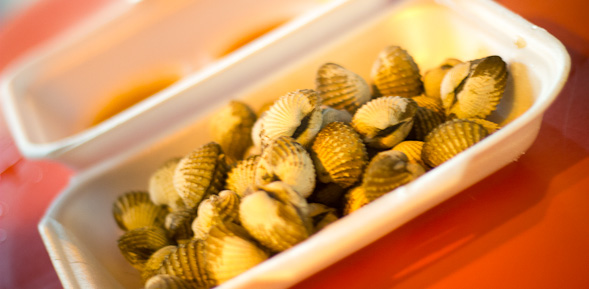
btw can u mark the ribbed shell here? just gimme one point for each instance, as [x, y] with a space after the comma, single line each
[230, 252]
[179, 224]
[355, 199]
[225, 206]
[242, 176]
[296, 114]
[385, 121]
[164, 281]
[451, 138]
[153, 264]
[387, 171]
[341, 88]
[332, 115]
[490, 126]
[161, 186]
[277, 217]
[429, 115]
[322, 215]
[339, 155]
[231, 127]
[135, 210]
[200, 173]
[288, 161]
[474, 89]
[188, 262]
[139, 244]
[395, 73]
[432, 79]
[411, 149]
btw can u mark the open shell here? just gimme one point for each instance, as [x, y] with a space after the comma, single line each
[432, 79]
[296, 114]
[395, 73]
[339, 155]
[139, 244]
[385, 121]
[341, 88]
[153, 264]
[474, 88]
[135, 210]
[231, 127]
[288, 161]
[200, 173]
[225, 207]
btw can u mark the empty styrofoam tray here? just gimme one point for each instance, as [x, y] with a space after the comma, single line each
[79, 230]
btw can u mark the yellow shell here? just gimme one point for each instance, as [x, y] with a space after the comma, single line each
[188, 262]
[231, 127]
[449, 139]
[139, 244]
[135, 210]
[296, 114]
[385, 121]
[276, 216]
[474, 88]
[428, 116]
[161, 186]
[288, 161]
[164, 281]
[153, 264]
[242, 176]
[432, 79]
[387, 171]
[339, 155]
[230, 252]
[355, 199]
[331, 114]
[329, 194]
[341, 88]
[322, 215]
[490, 126]
[200, 173]
[395, 73]
[411, 149]
[225, 206]
[179, 224]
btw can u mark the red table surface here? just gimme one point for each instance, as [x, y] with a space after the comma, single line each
[522, 227]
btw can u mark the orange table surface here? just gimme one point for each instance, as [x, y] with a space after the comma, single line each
[526, 226]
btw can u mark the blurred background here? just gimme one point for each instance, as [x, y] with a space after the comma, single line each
[8, 8]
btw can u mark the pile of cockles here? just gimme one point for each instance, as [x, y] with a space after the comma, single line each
[269, 180]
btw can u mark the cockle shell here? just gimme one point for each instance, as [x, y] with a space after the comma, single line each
[355, 199]
[276, 216]
[385, 121]
[411, 149]
[231, 127]
[242, 176]
[164, 281]
[428, 116]
[432, 79]
[288, 161]
[341, 88]
[387, 171]
[331, 114]
[179, 224]
[153, 264]
[474, 88]
[490, 126]
[200, 173]
[230, 251]
[395, 73]
[161, 186]
[225, 206]
[339, 155]
[188, 262]
[449, 139]
[296, 114]
[139, 244]
[135, 210]
[322, 215]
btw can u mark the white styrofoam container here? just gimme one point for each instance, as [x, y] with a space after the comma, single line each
[52, 98]
[78, 228]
